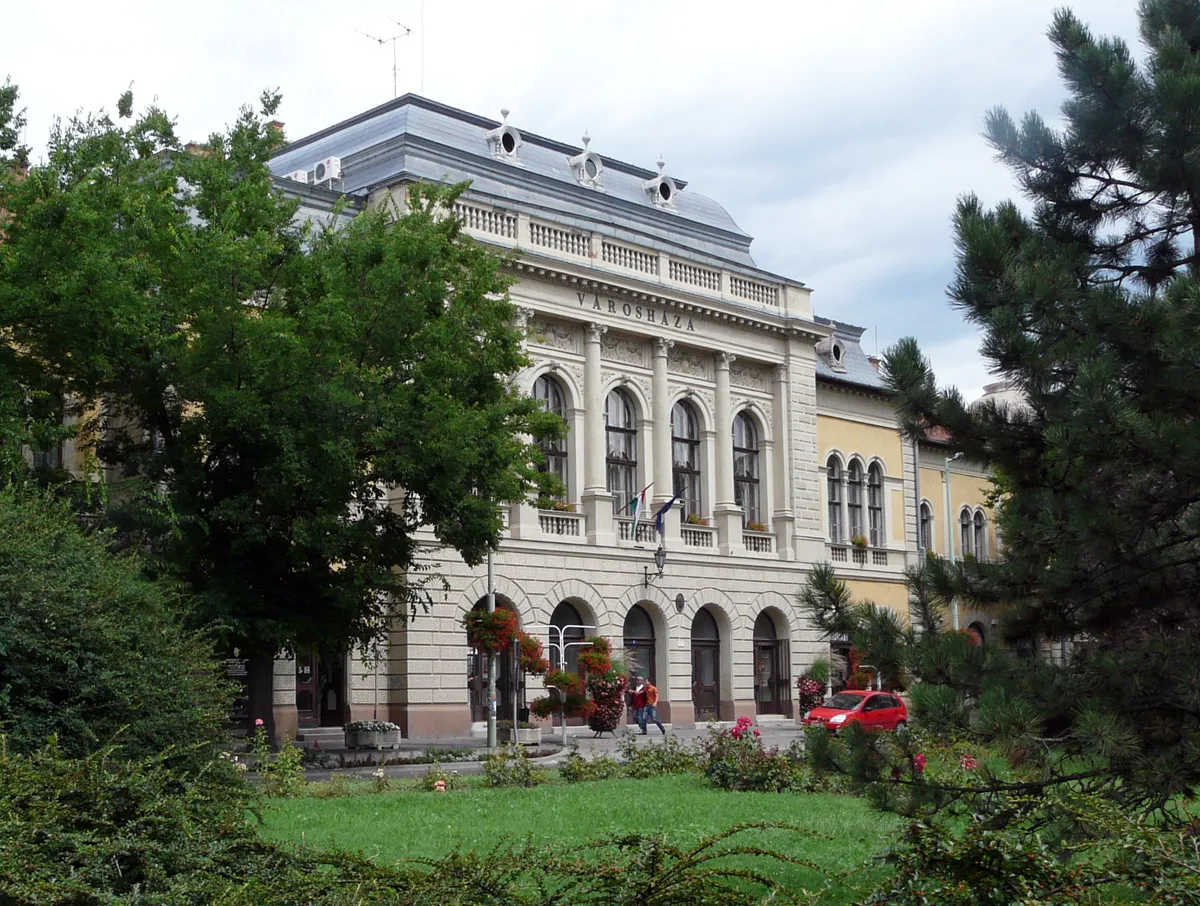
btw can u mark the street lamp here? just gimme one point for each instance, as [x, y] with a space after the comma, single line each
[660, 560]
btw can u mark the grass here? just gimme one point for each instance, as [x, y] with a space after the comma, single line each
[402, 825]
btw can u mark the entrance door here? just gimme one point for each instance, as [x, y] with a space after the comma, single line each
[706, 667]
[307, 693]
[331, 681]
[639, 647]
[772, 682]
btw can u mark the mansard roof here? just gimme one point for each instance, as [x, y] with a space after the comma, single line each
[854, 368]
[414, 138]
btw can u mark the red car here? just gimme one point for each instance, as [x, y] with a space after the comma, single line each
[870, 710]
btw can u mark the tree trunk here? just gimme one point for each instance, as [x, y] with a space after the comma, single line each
[261, 691]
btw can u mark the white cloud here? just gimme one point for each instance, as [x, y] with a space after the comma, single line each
[839, 134]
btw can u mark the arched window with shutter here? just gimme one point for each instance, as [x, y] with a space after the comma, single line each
[620, 432]
[685, 457]
[548, 391]
[833, 479]
[746, 493]
[875, 505]
[854, 498]
[926, 526]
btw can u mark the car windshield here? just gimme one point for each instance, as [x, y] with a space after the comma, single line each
[843, 701]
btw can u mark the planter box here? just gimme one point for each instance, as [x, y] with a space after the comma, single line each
[523, 737]
[372, 739]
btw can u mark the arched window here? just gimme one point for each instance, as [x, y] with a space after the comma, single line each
[621, 434]
[854, 498]
[833, 476]
[685, 455]
[548, 391]
[745, 469]
[926, 526]
[980, 541]
[875, 504]
[966, 533]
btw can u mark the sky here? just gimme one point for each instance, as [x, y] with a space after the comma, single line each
[838, 134]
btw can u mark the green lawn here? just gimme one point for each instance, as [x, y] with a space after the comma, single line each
[419, 824]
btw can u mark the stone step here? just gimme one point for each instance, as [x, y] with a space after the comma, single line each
[320, 734]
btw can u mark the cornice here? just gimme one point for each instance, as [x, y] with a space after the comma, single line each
[554, 272]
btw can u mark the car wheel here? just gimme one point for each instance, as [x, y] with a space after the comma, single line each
[901, 725]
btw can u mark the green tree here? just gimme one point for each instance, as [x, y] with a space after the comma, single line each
[93, 653]
[288, 403]
[1091, 303]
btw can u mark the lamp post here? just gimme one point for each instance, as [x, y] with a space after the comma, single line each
[950, 531]
[660, 560]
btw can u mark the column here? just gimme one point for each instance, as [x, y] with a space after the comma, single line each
[597, 502]
[728, 514]
[664, 480]
[783, 520]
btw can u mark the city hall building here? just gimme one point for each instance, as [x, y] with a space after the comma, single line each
[677, 363]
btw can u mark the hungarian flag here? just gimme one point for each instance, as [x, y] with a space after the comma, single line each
[638, 505]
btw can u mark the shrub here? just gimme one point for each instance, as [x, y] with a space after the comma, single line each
[577, 769]
[93, 653]
[658, 759]
[939, 709]
[438, 774]
[737, 760]
[282, 776]
[508, 766]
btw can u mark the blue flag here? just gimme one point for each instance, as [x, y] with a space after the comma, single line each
[658, 517]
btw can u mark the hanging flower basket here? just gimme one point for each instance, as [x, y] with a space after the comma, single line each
[490, 633]
[533, 658]
[596, 660]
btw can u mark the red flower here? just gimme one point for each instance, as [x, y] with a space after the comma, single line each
[968, 762]
[258, 722]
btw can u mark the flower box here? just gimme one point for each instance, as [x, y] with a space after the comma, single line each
[371, 734]
[522, 737]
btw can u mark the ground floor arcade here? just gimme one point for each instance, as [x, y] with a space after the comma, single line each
[720, 637]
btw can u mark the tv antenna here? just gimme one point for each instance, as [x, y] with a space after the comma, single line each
[381, 41]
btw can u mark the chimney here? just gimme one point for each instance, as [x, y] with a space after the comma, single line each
[277, 125]
[874, 360]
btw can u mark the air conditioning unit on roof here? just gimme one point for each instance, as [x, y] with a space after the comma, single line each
[327, 170]
[299, 176]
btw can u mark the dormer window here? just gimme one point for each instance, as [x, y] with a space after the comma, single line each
[504, 140]
[833, 351]
[661, 188]
[587, 166]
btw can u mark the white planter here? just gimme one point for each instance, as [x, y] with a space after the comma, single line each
[523, 737]
[372, 739]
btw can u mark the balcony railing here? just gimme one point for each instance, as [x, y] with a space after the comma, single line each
[554, 522]
[758, 542]
[645, 531]
[506, 228]
[699, 536]
[838, 554]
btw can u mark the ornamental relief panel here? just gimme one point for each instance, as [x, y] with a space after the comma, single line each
[750, 375]
[554, 335]
[628, 350]
[683, 360]
[761, 409]
[629, 381]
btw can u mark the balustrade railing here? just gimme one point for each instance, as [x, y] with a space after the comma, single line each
[554, 522]
[698, 536]
[645, 531]
[758, 542]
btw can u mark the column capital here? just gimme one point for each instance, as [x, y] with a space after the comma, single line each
[522, 315]
[724, 360]
[595, 331]
[662, 346]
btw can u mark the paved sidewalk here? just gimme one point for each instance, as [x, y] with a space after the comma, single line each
[774, 733]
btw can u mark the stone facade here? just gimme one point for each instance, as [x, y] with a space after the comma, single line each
[626, 286]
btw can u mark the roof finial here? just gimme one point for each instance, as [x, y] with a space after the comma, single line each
[661, 165]
[504, 113]
[586, 138]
